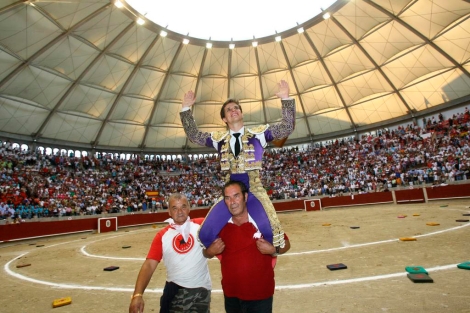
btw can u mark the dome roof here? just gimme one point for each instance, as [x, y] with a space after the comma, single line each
[84, 74]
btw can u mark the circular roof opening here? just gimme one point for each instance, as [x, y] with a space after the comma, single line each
[229, 21]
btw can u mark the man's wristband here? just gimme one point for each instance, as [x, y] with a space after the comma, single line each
[136, 295]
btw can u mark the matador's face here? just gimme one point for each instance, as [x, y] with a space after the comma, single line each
[233, 113]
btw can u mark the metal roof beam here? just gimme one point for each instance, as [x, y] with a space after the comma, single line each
[333, 82]
[121, 92]
[77, 81]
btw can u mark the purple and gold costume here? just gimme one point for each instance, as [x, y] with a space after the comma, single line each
[244, 168]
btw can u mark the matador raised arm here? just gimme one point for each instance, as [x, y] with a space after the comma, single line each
[240, 152]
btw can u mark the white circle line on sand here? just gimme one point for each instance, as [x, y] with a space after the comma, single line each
[374, 242]
[83, 249]
[159, 290]
[56, 285]
[279, 287]
[360, 279]
[84, 252]
[108, 257]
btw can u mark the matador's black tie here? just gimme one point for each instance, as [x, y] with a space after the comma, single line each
[237, 144]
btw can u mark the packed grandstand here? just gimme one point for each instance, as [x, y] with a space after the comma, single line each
[47, 184]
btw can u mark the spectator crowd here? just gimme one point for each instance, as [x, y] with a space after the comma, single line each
[34, 184]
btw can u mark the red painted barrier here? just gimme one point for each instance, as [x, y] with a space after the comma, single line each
[289, 205]
[41, 229]
[312, 205]
[45, 227]
[448, 192]
[150, 218]
[362, 199]
[107, 224]
[409, 195]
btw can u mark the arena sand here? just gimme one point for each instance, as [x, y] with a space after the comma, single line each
[375, 280]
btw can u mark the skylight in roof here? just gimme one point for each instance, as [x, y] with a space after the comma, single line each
[229, 20]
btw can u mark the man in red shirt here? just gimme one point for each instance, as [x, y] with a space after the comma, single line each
[247, 260]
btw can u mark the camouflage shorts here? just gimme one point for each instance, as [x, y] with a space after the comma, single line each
[191, 300]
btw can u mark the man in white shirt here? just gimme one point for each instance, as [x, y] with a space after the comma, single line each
[188, 286]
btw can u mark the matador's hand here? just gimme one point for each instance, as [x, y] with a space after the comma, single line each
[189, 99]
[283, 89]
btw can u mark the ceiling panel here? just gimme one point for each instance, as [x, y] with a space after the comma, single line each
[84, 72]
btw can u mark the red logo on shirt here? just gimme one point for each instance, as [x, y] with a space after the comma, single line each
[181, 246]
